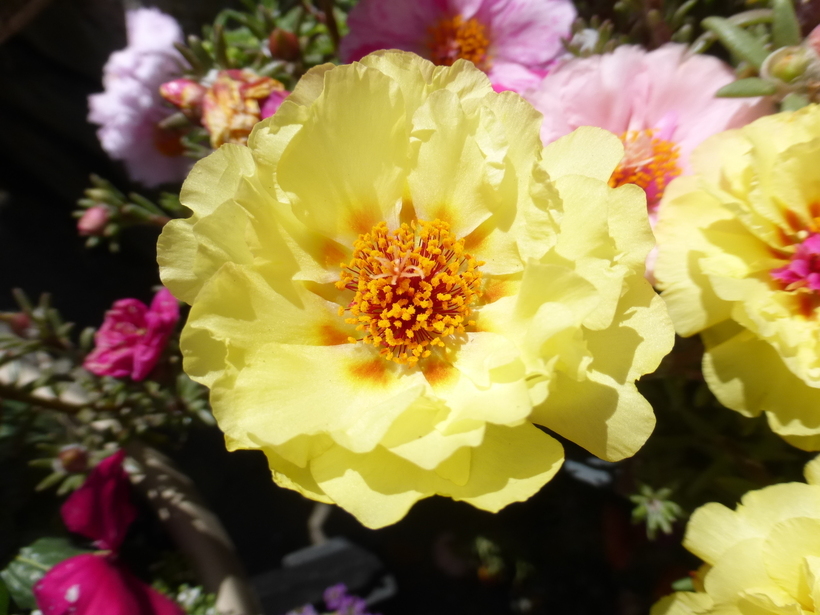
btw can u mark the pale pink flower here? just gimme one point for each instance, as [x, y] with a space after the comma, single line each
[96, 583]
[133, 336]
[130, 109]
[514, 41]
[661, 103]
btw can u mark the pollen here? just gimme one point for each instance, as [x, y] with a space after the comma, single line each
[453, 38]
[649, 162]
[413, 289]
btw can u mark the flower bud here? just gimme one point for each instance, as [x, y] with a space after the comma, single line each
[93, 221]
[813, 40]
[185, 94]
[284, 45]
[72, 459]
[18, 322]
[788, 64]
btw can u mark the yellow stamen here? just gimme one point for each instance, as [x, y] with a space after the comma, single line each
[452, 38]
[413, 288]
[649, 162]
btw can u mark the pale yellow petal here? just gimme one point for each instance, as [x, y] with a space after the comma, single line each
[590, 151]
[812, 473]
[683, 603]
[344, 170]
[610, 420]
[787, 544]
[346, 391]
[378, 488]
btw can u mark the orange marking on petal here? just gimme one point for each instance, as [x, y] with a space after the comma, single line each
[495, 289]
[372, 371]
[439, 373]
[331, 253]
[330, 335]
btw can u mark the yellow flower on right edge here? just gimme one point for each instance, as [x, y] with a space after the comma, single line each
[739, 263]
[762, 558]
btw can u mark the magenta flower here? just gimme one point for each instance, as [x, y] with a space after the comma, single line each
[93, 584]
[101, 509]
[272, 103]
[133, 336]
[661, 103]
[130, 109]
[96, 583]
[514, 41]
[804, 269]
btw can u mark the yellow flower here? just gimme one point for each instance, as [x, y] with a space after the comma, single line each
[739, 263]
[392, 283]
[763, 558]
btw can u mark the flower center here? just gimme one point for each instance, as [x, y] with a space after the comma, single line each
[413, 286]
[649, 162]
[452, 38]
[803, 272]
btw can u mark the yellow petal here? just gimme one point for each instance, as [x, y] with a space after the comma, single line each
[379, 488]
[610, 420]
[344, 171]
[787, 544]
[590, 151]
[683, 603]
[346, 391]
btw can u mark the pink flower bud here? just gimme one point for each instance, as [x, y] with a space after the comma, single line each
[183, 93]
[93, 221]
[813, 40]
[284, 45]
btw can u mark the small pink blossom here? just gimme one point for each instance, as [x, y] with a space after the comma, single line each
[133, 336]
[130, 109]
[514, 41]
[804, 269]
[93, 221]
[101, 509]
[813, 40]
[185, 94]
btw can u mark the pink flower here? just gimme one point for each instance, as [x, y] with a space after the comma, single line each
[101, 509]
[93, 221]
[272, 103]
[804, 269]
[130, 109]
[661, 103]
[514, 41]
[95, 583]
[133, 336]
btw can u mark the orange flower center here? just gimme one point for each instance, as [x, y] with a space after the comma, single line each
[452, 38]
[413, 288]
[649, 162]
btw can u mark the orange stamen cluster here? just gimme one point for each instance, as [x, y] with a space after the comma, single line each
[649, 162]
[413, 288]
[452, 38]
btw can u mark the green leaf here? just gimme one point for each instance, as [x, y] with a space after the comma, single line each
[4, 598]
[785, 27]
[793, 102]
[737, 40]
[743, 88]
[31, 565]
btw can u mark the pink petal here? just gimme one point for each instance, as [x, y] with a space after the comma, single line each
[101, 509]
[93, 584]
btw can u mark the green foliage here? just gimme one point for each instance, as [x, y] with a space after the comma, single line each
[31, 564]
[750, 86]
[656, 510]
[4, 598]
